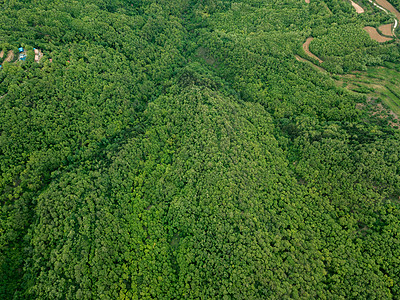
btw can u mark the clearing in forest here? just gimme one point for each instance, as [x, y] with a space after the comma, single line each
[375, 35]
[1, 54]
[306, 47]
[307, 1]
[358, 8]
[386, 29]
[204, 54]
[10, 56]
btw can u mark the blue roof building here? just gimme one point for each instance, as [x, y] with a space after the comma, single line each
[21, 49]
[22, 56]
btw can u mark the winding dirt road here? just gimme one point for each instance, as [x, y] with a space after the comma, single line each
[306, 48]
[309, 62]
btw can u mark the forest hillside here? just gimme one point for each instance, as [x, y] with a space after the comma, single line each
[203, 149]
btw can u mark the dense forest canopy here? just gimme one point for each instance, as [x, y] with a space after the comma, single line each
[193, 150]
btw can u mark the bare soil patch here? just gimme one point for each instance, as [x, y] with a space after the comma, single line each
[375, 35]
[357, 7]
[306, 48]
[307, 1]
[10, 56]
[386, 29]
[1, 54]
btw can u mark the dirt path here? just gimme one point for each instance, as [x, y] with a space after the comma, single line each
[10, 56]
[358, 8]
[306, 48]
[375, 35]
[1, 54]
[309, 62]
[386, 29]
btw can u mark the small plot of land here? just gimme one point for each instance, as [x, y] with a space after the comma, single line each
[386, 29]
[1, 54]
[307, 1]
[373, 33]
[306, 48]
[357, 7]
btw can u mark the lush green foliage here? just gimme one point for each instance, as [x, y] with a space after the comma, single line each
[178, 150]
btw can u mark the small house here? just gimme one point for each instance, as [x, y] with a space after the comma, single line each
[20, 49]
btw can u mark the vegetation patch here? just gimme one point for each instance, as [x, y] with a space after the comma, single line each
[194, 150]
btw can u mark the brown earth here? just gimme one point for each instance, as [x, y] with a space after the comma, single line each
[306, 46]
[386, 29]
[358, 8]
[375, 35]
[10, 56]
[1, 54]
[307, 1]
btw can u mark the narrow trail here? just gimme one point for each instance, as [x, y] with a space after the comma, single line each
[306, 48]
[309, 62]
